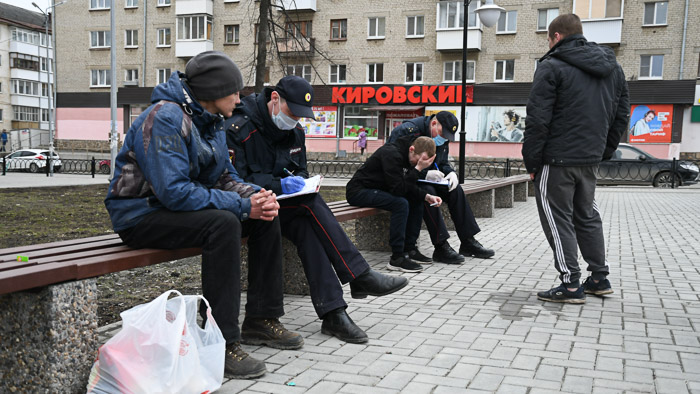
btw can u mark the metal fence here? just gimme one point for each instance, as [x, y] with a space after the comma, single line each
[63, 166]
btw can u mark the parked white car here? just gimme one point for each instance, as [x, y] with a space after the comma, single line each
[32, 160]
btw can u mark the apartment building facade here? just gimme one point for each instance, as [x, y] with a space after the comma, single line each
[26, 57]
[374, 64]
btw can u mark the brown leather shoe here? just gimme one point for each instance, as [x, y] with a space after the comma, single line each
[239, 365]
[269, 332]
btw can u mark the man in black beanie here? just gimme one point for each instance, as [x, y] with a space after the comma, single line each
[174, 187]
[267, 147]
[441, 127]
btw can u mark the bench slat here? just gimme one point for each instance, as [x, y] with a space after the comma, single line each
[35, 276]
[75, 256]
[21, 250]
[59, 250]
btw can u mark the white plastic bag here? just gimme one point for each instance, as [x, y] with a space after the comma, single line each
[161, 349]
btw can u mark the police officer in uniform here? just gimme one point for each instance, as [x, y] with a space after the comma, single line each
[267, 148]
[441, 127]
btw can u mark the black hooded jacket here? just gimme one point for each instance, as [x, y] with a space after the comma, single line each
[578, 107]
[259, 150]
[389, 169]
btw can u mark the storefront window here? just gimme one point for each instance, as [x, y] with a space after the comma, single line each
[357, 118]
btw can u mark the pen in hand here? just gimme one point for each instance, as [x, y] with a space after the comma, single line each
[434, 204]
[436, 166]
[286, 171]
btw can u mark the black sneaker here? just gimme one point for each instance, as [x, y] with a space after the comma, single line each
[562, 294]
[418, 257]
[444, 253]
[472, 248]
[239, 365]
[269, 332]
[601, 288]
[404, 263]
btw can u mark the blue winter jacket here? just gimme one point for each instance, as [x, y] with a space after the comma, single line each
[175, 161]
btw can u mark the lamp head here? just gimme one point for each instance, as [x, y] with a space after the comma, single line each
[489, 13]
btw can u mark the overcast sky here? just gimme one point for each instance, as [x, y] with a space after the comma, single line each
[28, 3]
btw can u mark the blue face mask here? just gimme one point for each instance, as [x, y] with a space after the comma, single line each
[439, 140]
[283, 121]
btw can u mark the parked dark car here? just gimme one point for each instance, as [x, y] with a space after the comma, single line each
[633, 166]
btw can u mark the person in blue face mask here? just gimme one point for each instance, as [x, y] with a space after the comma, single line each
[442, 127]
[267, 146]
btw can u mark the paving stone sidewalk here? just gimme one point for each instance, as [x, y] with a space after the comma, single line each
[479, 327]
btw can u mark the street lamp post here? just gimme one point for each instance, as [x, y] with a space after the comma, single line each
[49, 81]
[488, 14]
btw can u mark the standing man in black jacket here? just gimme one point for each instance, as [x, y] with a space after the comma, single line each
[576, 114]
[441, 128]
[267, 146]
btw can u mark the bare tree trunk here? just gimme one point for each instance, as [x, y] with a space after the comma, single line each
[261, 58]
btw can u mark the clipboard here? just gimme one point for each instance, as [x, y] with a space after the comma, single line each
[311, 185]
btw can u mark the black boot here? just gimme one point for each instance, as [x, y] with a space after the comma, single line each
[445, 254]
[376, 284]
[472, 248]
[339, 324]
[415, 255]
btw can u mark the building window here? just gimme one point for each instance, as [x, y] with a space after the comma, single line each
[131, 39]
[44, 90]
[505, 70]
[651, 67]
[163, 75]
[300, 70]
[0, 115]
[376, 28]
[46, 65]
[337, 73]
[45, 40]
[339, 29]
[452, 71]
[298, 29]
[100, 39]
[44, 115]
[26, 62]
[451, 14]
[598, 9]
[131, 75]
[375, 73]
[100, 78]
[655, 13]
[21, 86]
[100, 4]
[197, 27]
[231, 34]
[131, 4]
[414, 72]
[545, 17]
[507, 22]
[21, 35]
[164, 37]
[415, 26]
[163, 3]
[25, 114]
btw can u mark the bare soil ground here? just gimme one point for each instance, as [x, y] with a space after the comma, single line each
[39, 215]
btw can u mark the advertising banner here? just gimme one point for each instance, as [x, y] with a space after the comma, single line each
[489, 124]
[325, 124]
[651, 123]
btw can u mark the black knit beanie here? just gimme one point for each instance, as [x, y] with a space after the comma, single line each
[212, 75]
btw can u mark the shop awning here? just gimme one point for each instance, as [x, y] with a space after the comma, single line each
[410, 108]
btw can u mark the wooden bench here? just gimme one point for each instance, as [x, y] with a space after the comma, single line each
[48, 304]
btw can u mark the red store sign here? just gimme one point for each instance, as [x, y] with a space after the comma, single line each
[401, 94]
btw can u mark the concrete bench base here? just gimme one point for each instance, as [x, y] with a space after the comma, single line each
[48, 338]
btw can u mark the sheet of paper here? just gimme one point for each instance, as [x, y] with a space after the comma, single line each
[311, 185]
[443, 182]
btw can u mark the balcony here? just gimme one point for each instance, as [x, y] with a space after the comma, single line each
[451, 40]
[292, 46]
[603, 31]
[297, 5]
[192, 48]
[190, 7]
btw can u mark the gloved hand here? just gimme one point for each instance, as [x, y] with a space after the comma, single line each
[434, 176]
[452, 178]
[292, 184]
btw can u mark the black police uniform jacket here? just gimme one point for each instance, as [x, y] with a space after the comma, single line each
[259, 150]
[388, 169]
[578, 107]
[420, 127]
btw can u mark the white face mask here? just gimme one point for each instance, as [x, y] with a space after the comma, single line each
[282, 120]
